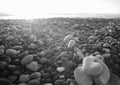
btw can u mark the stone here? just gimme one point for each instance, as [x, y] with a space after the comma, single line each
[24, 78]
[59, 82]
[8, 60]
[12, 67]
[3, 65]
[27, 59]
[71, 43]
[34, 82]
[60, 69]
[82, 78]
[17, 47]
[35, 75]
[12, 78]
[16, 62]
[22, 84]
[48, 84]
[4, 81]
[68, 37]
[10, 38]
[33, 66]
[11, 52]
[106, 50]
[91, 66]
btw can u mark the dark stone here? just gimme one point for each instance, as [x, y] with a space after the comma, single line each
[4, 81]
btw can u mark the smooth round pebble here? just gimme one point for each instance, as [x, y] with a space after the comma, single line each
[35, 75]
[24, 78]
[48, 84]
[11, 52]
[27, 59]
[60, 69]
[34, 82]
[33, 66]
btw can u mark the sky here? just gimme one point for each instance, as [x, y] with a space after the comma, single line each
[42, 8]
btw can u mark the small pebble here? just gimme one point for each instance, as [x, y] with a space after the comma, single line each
[33, 66]
[59, 82]
[24, 78]
[35, 75]
[10, 38]
[12, 67]
[3, 65]
[60, 69]
[34, 82]
[16, 61]
[62, 76]
[17, 47]
[27, 59]
[11, 52]
[68, 37]
[8, 60]
[1, 51]
[12, 78]
[22, 84]
[48, 84]
[71, 43]
[106, 50]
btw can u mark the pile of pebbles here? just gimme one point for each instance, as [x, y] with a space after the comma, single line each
[26, 60]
